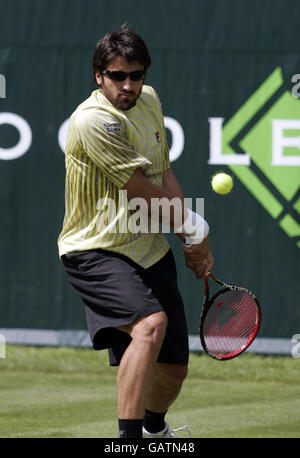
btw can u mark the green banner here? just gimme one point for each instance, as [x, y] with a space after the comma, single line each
[228, 76]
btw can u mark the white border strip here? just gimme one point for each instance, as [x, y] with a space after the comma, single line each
[46, 337]
[80, 338]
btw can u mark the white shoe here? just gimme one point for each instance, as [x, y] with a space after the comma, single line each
[166, 432]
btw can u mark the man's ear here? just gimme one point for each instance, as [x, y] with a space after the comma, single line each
[98, 78]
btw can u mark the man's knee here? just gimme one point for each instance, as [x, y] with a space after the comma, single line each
[151, 328]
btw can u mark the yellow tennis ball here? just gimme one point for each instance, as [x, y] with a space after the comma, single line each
[222, 183]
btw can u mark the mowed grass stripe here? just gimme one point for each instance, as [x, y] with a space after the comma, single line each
[234, 409]
[247, 420]
[48, 405]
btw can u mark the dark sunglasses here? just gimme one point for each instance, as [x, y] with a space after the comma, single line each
[121, 76]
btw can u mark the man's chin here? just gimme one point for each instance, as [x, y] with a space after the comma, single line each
[125, 104]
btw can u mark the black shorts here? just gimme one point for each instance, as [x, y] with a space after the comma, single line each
[117, 291]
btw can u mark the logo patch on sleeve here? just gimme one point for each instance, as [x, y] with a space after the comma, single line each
[112, 126]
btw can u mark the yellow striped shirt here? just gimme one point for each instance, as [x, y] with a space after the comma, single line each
[104, 147]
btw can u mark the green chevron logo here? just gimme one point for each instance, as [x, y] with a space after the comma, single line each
[261, 145]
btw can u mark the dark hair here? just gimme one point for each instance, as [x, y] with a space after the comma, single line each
[124, 42]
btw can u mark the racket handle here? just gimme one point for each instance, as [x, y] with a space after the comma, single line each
[205, 280]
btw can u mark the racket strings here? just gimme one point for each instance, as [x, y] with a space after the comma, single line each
[230, 323]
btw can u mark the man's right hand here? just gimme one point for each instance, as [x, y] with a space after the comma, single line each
[198, 258]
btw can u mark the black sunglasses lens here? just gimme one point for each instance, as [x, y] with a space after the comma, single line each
[121, 76]
[118, 76]
[137, 76]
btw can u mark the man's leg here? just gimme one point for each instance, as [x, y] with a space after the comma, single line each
[165, 387]
[136, 369]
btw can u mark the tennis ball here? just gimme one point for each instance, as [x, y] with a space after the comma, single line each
[222, 183]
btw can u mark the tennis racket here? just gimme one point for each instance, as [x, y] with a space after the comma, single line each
[229, 321]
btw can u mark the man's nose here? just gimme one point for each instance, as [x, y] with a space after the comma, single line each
[127, 84]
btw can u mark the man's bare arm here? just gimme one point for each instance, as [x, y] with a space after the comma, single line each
[139, 186]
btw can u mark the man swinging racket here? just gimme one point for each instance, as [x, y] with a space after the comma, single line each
[117, 147]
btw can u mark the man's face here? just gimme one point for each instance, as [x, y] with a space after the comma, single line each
[122, 94]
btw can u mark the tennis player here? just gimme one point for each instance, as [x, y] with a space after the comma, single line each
[117, 152]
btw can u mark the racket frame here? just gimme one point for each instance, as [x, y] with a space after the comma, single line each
[207, 302]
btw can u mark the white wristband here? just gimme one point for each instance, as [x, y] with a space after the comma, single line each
[194, 227]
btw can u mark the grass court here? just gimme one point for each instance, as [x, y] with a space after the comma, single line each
[62, 392]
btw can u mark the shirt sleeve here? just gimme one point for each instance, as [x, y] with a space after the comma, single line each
[166, 152]
[104, 139]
